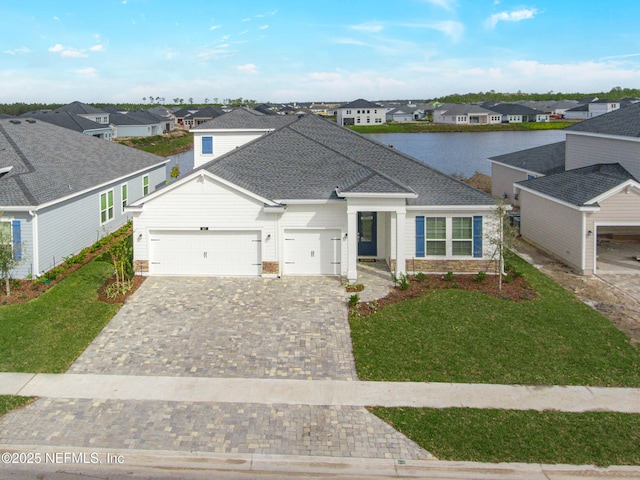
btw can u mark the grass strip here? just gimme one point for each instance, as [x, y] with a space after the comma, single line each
[11, 402]
[48, 333]
[479, 435]
[467, 337]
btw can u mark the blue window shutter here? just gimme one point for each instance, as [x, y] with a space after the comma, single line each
[477, 236]
[207, 145]
[17, 240]
[419, 236]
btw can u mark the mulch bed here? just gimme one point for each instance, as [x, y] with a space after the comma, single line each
[517, 289]
[136, 282]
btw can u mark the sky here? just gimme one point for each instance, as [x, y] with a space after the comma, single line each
[312, 50]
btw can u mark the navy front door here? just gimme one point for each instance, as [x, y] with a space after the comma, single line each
[367, 234]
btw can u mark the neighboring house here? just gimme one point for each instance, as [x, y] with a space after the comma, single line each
[524, 165]
[183, 112]
[552, 107]
[400, 115]
[232, 130]
[361, 112]
[202, 116]
[465, 114]
[60, 190]
[87, 111]
[73, 122]
[515, 113]
[137, 123]
[571, 214]
[592, 109]
[312, 198]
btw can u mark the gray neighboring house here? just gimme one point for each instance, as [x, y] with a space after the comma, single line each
[87, 111]
[72, 122]
[465, 114]
[61, 190]
[593, 200]
[516, 113]
[137, 123]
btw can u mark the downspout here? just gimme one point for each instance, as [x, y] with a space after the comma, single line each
[583, 256]
[35, 243]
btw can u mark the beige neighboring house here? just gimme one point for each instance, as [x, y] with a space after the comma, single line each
[577, 214]
[465, 114]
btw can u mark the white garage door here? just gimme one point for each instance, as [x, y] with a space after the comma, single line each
[312, 252]
[205, 253]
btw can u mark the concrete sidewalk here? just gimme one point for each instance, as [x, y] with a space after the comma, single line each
[321, 392]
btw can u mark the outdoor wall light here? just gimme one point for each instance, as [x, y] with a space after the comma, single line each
[590, 233]
[268, 236]
[139, 236]
[346, 235]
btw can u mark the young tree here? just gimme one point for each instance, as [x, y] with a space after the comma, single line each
[8, 258]
[501, 236]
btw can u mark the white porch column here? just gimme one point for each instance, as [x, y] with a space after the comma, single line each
[352, 245]
[400, 244]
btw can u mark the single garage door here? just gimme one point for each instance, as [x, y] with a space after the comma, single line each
[312, 252]
[205, 253]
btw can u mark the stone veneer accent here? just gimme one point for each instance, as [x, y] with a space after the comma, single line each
[140, 266]
[270, 268]
[442, 266]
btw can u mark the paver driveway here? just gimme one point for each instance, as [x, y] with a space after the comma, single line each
[293, 327]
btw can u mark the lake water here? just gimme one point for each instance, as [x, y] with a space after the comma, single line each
[464, 153]
[460, 153]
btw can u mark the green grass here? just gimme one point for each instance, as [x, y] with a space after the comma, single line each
[10, 402]
[463, 434]
[468, 337]
[426, 127]
[48, 333]
[163, 145]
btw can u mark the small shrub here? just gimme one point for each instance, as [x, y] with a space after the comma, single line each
[480, 277]
[404, 282]
[394, 279]
[421, 277]
[354, 287]
[448, 277]
[68, 261]
[354, 300]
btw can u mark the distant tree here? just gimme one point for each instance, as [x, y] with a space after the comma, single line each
[176, 100]
[181, 101]
[215, 99]
[157, 99]
[190, 100]
[144, 99]
[206, 100]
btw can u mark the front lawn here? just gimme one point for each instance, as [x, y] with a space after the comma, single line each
[451, 335]
[48, 333]
[11, 402]
[466, 434]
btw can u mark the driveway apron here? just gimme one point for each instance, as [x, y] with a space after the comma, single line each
[289, 328]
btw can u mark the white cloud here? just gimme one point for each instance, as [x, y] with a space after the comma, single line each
[56, 48]
[97, 48]
[446, 4]
[452, 29]
[371, 27]
[248, 68]
[220, 51]
[87, 72]
[512, 16]
[263, 27]
[67, 52]
[215, 27]
[17, 51]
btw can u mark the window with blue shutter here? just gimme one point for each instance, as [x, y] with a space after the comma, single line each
[17, 240]
[419, 236]
[207, 145]
[477, 236]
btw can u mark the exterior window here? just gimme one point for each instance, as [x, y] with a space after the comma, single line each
[207, 145]
[378, 120]
[348, 112]
[106, 206]
[358, 120]
[368, 119]
[436, 235]
[462, 236]
[124, 195]
[5, 235]
[145, 185]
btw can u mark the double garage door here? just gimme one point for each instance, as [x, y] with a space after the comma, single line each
[312, 252]
[205, 253]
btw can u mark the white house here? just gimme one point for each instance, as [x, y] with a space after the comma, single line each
[465, 114]
[312, 198]
[361, 112]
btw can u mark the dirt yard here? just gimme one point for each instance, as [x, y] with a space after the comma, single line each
[617, 306]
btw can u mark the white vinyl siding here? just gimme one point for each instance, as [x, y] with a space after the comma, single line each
[582, 151]
[223, 142]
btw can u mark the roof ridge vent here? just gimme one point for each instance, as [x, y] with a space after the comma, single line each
[31, 120]
[15, 122]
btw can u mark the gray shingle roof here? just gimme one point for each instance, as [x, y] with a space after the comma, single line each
[51, 162]
[135, 118]
[546, 159]
[360, 103]
[66, 120]
[581, 185]
[247, 118]
[463, 109]
[311, 157]
[623, 122]
[513, 109]
[79, 108]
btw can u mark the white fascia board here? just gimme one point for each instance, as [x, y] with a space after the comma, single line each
[11, 208]
[232, 130]
[298, 201]
[463, 208]
[377, 195]
[6, 169]
[602, 135]
[528, 172]
[615, 190]
[101, 186]
[560, 202]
